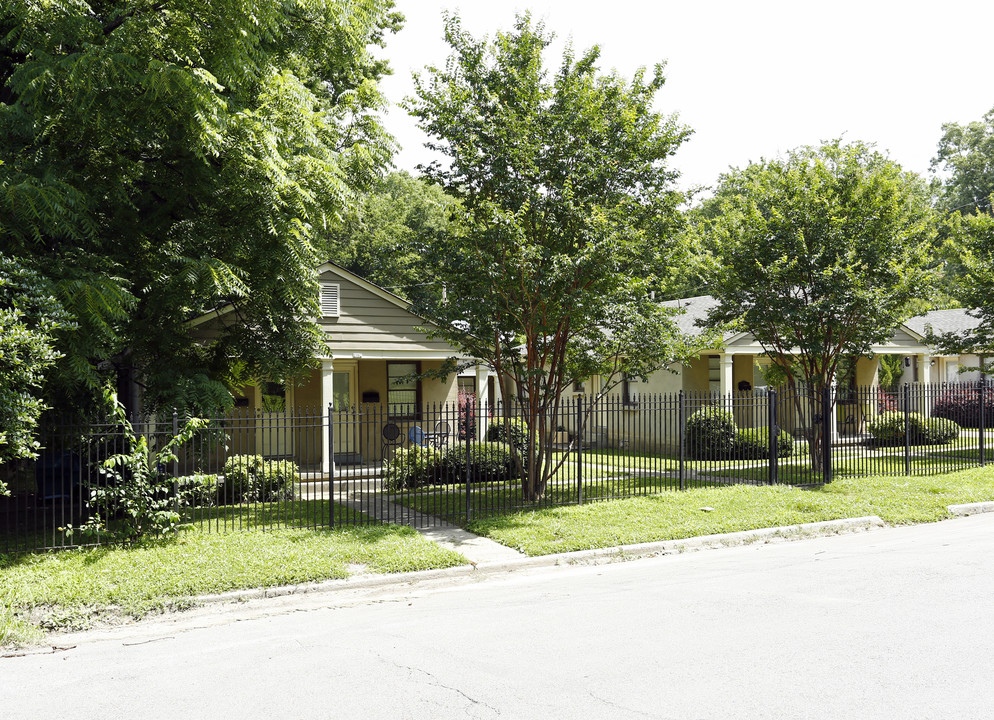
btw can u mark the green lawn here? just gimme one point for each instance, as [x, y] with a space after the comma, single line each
[899, 500]
[71, 589]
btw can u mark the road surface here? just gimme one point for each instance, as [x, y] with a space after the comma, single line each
[892, 623]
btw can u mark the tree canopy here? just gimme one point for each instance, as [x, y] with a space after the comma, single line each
[965, 162]
[162, 159]
[387, 238]
[965, 156]
[819, 254]
[567, 215]
[973, 237]
[29, 316]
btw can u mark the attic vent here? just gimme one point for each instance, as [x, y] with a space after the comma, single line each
[329, 298]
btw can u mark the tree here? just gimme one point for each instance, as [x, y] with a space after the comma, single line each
[29, 315]
[973, 235]
[567, 211]
[387, 237]
[163, 159]
[966, 155]
[818, 255]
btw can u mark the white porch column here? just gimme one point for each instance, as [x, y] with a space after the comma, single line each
[482, 401]
[327, 393]
[925, 369]
[725, 360]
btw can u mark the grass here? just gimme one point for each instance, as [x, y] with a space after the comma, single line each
[73, 589]
[898, 500]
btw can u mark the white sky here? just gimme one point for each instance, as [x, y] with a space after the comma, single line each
[753, 78]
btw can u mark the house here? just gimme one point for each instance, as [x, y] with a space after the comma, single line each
[728, 373]
[942, 368]
[373, 350]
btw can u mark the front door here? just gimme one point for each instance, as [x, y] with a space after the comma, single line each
[347, 421]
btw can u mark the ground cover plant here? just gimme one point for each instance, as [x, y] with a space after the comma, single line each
[705, 511]
[74, 589]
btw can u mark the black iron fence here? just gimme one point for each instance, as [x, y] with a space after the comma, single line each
[316, 468]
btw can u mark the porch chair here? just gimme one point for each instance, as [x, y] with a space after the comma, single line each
[441, 434]
[391, 439]
[417, 436]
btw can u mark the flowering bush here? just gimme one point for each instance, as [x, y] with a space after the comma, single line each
[962, 406]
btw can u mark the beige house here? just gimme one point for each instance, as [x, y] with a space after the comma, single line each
[738, 364]
[373, 350]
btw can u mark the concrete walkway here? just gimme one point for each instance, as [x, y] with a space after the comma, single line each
[478, 550]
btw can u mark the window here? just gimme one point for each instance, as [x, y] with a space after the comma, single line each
[403, 391]
[578, 386]
[330, 299]
[466, 386]
[273, 397]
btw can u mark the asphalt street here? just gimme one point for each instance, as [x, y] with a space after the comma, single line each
[890, 623]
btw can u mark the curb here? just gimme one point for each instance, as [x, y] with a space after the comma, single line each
[581, 557]
[970, 509]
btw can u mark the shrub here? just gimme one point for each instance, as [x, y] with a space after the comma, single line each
[939, 431]
[238, 473]
[516, 433]
[754, 444]
[276, 482]
[889, 429]
[962, 406]
[198, 490]
[710, 433]
[413, 467]
[251, 478]
[489, 462]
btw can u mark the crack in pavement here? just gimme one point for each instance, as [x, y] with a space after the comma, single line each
[438, 683]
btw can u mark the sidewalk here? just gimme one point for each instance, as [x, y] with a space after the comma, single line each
[478, 550]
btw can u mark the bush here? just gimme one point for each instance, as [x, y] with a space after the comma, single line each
[277, 481]
[962, 406]
[489, 462]
[754, 444]
[710, 433]
[939, 431]
[199, 490]
[251, 478]
[515, 434]
[413, 467]
[889, 429]
[238, 473]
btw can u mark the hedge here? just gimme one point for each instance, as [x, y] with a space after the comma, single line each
[889, 429]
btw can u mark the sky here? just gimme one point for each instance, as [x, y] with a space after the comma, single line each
[752, 78]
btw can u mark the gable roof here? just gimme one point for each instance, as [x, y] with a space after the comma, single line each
[695, 311]
[914, 329]
[957, 320]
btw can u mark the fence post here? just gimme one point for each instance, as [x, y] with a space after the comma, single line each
[330, 460]
[579, 449]
[682, 420]
[907, 429]
[175, 469]
[469, 507]
[826, 432]
[771, 412]
[982, 421]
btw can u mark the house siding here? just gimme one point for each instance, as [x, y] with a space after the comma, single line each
[372, 324]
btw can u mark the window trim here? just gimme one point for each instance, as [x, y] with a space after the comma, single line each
[417, 390]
